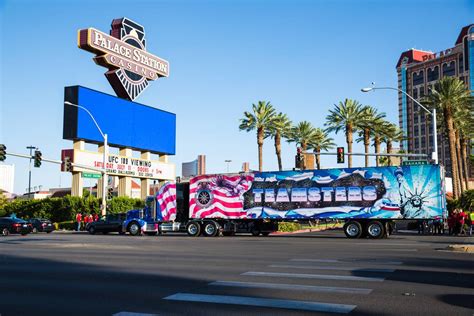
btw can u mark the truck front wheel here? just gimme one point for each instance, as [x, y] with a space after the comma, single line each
[134, 229]
[193, 229]
[375, 230]
[353, 229]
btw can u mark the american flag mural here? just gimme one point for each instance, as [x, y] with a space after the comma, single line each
[218, 196]
[166, 199]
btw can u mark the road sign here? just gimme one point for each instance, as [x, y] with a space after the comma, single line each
[414, 162]
[91, 175]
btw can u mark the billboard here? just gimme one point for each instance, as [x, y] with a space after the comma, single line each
[124, 166]
[407, 192]
[126, 123]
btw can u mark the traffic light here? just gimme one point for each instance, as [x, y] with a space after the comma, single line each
[340, 154]
[37, 158]
[3, 153]
[67, 164]
[110, 193]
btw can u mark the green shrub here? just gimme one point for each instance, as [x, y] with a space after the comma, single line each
[68, 225]
[466, 201]
[288, 227]
[65, 209]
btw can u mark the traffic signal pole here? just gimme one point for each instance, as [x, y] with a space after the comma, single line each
[29, 172]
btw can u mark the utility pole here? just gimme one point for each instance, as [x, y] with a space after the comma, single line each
[29, 172]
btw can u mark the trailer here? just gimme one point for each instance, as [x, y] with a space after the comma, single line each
[368, 200]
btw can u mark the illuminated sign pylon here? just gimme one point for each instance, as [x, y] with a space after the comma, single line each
[124, 53]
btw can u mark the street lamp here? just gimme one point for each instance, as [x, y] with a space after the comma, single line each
[104, 157]
[228, 162]
[434, 155]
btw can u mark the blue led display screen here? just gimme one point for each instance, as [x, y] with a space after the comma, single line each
[126, 123]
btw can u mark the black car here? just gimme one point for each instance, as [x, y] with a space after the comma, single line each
[9, 225]
[111, 223]
[41, 225]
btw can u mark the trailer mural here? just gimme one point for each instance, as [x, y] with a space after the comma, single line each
[407, 192]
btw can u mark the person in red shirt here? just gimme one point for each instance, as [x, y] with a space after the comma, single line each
[78, 221]
[91, 218]
[96, 217]
[461, 219]
[86, 219]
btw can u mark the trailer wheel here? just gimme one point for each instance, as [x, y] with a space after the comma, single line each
[210, 229]
[134, 229]
[265, 234]
[255, 231]
[193, 229]
[375, 230]
[353, 229]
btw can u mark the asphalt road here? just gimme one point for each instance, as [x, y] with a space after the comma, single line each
[305, 274]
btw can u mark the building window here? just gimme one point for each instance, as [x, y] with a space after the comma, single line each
[431, 141]
[423, 142]
[449, 69]
[433, 73]
[423, 130]
[422, 92]
[416, 131]
[418, 78]
[415, 119]
[416, 143]
[415, 94]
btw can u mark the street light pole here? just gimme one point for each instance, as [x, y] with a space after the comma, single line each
[434, 155]
[104, 158]
[29, 172]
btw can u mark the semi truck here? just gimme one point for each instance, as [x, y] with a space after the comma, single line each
[368, 200]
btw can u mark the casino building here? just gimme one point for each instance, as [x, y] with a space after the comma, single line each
[418, 71]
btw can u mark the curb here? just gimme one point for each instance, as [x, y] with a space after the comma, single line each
[461, 248]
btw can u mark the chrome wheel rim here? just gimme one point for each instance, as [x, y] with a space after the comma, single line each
[352, 230]
[374, 230]
[210, 229]
[134, 229]
[192, 229]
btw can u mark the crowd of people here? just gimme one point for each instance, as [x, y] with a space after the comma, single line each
[83, 219]
[457, 223]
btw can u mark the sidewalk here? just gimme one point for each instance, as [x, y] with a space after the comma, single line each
[462, 248]
[307, 230]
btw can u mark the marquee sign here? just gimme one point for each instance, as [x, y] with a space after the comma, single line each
[125, 166]
[124, 53]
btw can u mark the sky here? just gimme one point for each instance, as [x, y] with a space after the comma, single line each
[302, 56]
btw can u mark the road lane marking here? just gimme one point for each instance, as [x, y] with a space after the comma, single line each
[349, 261]
[264, 302]
[298, 287]
[332, 268]
[314, 276]
[392, 249]
[133, 314]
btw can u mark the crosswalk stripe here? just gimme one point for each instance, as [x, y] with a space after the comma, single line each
[314, 276]
[280, 286]
[263, 302]
[332, 268]
[374, 261]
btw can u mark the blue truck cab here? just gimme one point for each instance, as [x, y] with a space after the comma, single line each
[142, 221]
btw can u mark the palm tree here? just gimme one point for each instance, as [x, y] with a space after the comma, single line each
[377, 134]
[371, 119]
[261, 119]
[347, 116]
[301, 134]
[280, 128]
[464, 119]
[391, 133]
[448, 96]
[320, 141]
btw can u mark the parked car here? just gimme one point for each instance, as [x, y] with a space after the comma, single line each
[41, 225]
[111, 223]
[11, 225]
